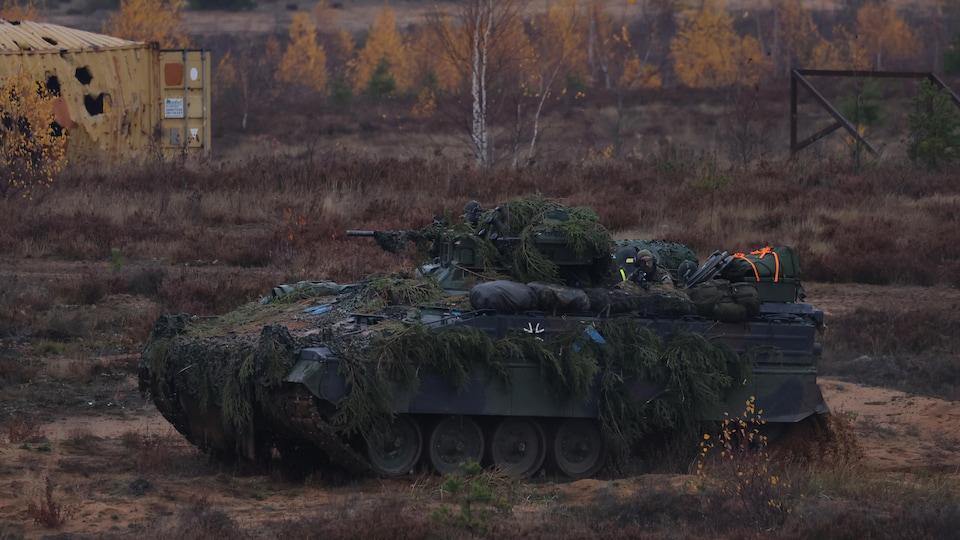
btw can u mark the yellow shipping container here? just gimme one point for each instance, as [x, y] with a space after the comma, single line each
[116, 98]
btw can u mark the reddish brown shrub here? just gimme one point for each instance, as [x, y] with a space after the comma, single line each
[141, 224]
[150, 453]
[48, 512]
[199, 519]
[88, 288]
[18, 370]
[60, 325]
[912, 349]
[144, 280]
[201, 292]
[24, 429]
[827, 440]
[387, 516]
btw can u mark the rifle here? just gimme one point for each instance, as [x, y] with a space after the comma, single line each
[395, 241]
[717, 262]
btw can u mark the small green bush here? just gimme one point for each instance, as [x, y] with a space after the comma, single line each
[933, 127]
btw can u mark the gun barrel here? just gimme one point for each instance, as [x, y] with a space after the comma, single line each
[354, 232]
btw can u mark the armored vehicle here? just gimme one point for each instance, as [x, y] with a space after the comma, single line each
[527, 341]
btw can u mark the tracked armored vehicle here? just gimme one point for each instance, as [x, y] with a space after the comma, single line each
[519, 345]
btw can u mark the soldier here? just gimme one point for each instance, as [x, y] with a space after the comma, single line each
[640, 266]
[472, 212]
[649, 272]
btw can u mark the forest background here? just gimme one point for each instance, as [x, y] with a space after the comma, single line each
[557, 80]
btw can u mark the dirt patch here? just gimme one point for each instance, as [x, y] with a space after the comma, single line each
[128, 472]
[837, 299]
[899, 432]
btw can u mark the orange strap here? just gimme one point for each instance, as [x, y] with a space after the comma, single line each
[761, 253]
[744, 257]
[776, 259]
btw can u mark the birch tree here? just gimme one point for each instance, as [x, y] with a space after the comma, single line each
[558, 55]
[245, 76]
[483, 39]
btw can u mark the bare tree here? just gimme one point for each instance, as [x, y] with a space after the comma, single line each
[556, 52]
[623, 65]
[246, 76]
[482, 38]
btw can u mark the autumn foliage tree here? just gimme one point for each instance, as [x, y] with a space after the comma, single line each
[617, 63]
[707, 52]
[559, 44]
[797, 43]
[246, 76]
[615, 60]
[158, 21]
[304, 62]
[881, 38]
[433, 72]
[384, 54]
[430, 63]
[13, 10]
[32, 148]
[484, 40]
[553, 59]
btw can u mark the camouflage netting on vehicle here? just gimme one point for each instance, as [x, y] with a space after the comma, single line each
[374, 292]
[628, 297]
[232, 365]
[396, 241]
[396, 353]
[504, 296]
[229, 365]
[228, 374]
[385, 289]
[528, 219]
[669, 254]
[695, 373]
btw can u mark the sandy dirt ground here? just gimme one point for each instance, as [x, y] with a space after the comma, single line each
[129, 470]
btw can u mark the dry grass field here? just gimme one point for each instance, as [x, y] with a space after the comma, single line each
[88, 265]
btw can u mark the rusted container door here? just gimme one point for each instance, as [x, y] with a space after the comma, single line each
[185, 101]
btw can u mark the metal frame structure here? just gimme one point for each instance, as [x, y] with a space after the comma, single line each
[798, 77]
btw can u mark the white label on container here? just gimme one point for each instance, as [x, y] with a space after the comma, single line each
[173, 108]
